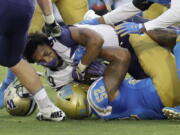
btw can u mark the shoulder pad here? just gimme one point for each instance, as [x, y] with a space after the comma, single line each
[98, 98]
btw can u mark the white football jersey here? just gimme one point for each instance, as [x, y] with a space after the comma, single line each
[57, 79]
[106, 31]
[63, 76]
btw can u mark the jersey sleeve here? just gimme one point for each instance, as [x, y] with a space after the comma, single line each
[66, 38]
[170, 17]
[98, 99]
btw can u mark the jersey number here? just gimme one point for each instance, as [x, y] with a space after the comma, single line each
[100, 94]
[51, 81]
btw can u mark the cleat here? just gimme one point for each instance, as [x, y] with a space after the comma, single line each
[49, 115]
[172, 113]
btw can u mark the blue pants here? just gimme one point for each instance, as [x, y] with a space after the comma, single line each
[15, 16]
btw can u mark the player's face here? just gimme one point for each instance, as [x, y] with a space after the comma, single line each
[46, 56]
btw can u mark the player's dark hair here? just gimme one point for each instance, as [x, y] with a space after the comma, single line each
[34, 40]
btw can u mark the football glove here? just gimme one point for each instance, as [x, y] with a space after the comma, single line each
[53, 29]
[97, 69]
[129, 28]
[79, 72]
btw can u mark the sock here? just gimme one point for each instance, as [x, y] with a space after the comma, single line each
[49, 19]
[8, 80]
[42, 99]
[177, 56]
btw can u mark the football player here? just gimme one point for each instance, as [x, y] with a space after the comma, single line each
[62, 54]
[12, 43]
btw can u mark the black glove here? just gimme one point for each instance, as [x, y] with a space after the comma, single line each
[53, 29]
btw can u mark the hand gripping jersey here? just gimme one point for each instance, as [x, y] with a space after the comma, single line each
[135, 100]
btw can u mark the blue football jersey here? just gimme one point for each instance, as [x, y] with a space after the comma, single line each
[136, 99]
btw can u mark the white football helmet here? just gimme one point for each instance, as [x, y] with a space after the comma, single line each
[71, 98]
[18, 101]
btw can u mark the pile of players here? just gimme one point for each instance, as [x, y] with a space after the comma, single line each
[116, 66]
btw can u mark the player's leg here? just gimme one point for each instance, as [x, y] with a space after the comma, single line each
[7, 81]
[160, 65]
[72, 11]
[12, 41]
[28, 77]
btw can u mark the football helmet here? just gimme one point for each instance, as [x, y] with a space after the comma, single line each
[18, 101]
[71, 98]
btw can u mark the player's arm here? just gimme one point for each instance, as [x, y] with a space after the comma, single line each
[170, 17]
[51, 27]
[121, 13]
[91, 40]
[45, 6]
[163, 36]
[115, 72]
[125, 11]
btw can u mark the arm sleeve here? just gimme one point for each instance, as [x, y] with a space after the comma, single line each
[66, 38]
[121, 13]
[170, 17]
[126, 11]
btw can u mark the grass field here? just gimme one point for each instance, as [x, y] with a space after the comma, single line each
[10, 125]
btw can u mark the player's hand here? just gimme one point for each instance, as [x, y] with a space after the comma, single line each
[94, 21]
[79, 72]
[53, 29]
[129, 28]
[96, 69]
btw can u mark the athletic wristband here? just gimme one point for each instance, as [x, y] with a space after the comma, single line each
[49, 19]
[81, 66]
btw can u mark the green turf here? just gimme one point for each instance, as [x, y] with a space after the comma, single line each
[10, 125]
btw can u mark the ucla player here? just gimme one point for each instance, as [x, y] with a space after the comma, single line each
[135, 99]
